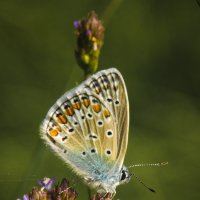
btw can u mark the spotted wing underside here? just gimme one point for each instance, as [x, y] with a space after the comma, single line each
[90, 123]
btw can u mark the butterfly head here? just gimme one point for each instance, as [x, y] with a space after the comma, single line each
[125, 176]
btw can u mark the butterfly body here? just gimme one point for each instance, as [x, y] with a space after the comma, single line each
[88, 128]
[106, 181]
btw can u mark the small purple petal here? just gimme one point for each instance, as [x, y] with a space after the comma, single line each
[25, 197]
[41, 183]
[47, 183]
[50, 183]
[76, 24]
[89, 32]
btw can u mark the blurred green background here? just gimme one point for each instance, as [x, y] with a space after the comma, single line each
[156, 46]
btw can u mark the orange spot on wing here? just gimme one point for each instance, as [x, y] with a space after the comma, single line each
[96, 108]
[86, 103]
[62, 119]
[69, 111]
[54, 132]
[76, 106]
[106, 113]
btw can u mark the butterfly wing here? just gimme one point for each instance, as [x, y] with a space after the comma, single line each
[88, 125]
[110, 88]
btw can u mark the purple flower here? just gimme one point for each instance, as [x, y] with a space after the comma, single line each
[76, 24]
[25, 197]
[89, 32]
[62, 191]
[47, 183]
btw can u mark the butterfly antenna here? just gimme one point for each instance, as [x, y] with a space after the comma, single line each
[149, 164]
[150, 189]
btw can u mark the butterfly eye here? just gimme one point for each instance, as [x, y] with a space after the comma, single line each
[124, 175]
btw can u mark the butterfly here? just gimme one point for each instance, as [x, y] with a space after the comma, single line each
[88, 128]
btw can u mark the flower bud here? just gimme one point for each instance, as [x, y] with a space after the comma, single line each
[90, 35]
